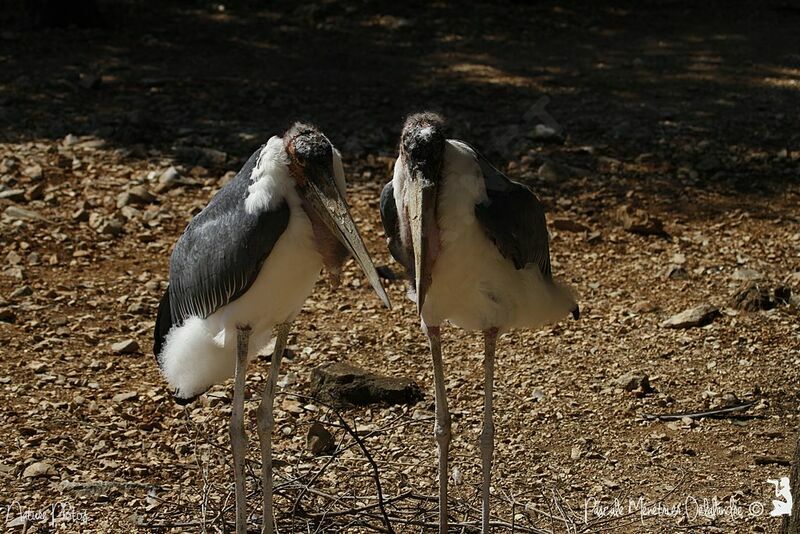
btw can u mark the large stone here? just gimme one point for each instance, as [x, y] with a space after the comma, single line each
[319, 440]
[752, 297]
[693, 317]
[638, 221]
[634, 380]
[342, 383]
[39, 469]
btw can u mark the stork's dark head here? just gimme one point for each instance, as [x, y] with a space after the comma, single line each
[422, 147]
[422, 144]
[310, 154]
[311, 164]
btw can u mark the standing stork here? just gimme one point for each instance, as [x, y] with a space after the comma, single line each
[243, 267]
[475, 247]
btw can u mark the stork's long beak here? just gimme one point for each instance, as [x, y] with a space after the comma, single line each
[422, 218]
[332, 209]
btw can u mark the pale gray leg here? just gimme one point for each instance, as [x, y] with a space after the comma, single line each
[266, 422]
[487, 434]
[442, 427]
[238, 437]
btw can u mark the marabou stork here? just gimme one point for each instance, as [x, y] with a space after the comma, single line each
[243, 267]
[475, 247]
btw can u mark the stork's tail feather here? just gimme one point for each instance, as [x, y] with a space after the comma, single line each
[163, 328]
[576, 312]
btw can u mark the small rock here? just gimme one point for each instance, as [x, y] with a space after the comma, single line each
[15, 272]
[319, 440]
[594, 238]
[752, 297]
[14, 195]
[747, 274]
[122, 397]
[693, 317]
[69, 140]
[35, 192]
[551, 173]
[95, 220]
[568, 225]
[137, 195]
[545, 134]
[127, 346]
[21, 291]
[634, 381]
[34, 172]
[39, 469]
[169, 176]
[783, 294]
[638, 221]
[17, 213]
[771, 460]
[7, 315]
[644, 307]
[347, 384]
[80, 215]
[112, 227]
[676, 272]
[167, 179]
[12, 258]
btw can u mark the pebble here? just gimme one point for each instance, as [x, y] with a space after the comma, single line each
[693, 317]
[39, 469]
[17, 213]
[14, 195]
[747, 274]
[634, 380]
[127, 395]
[21, 291]
[34, 172]
[7, 315]
[319, 440]
[127, 346]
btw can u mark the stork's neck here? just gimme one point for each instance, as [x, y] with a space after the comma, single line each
[333, 252]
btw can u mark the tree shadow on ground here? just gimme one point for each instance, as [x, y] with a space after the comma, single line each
[669, 95]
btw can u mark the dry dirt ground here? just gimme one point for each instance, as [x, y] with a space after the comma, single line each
[688, 114]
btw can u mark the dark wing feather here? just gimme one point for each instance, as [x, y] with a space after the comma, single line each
[221, 252]
[513, 219]
[163, 324]
[391, 226]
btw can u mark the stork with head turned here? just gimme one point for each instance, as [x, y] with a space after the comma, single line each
[475, 246]
[243, 268]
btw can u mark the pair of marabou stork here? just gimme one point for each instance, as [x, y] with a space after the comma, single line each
[474, 245]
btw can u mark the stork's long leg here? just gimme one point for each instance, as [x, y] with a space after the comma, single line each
[442, 427]
[238, 437]
[487, 434]
[266, 422]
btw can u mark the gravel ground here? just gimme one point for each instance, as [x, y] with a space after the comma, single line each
[674, 185]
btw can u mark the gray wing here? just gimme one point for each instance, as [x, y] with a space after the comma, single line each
[513, 218]
[221, 252]
[391, 226]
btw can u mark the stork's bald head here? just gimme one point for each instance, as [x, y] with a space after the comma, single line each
[310, 152]
[422, 143]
